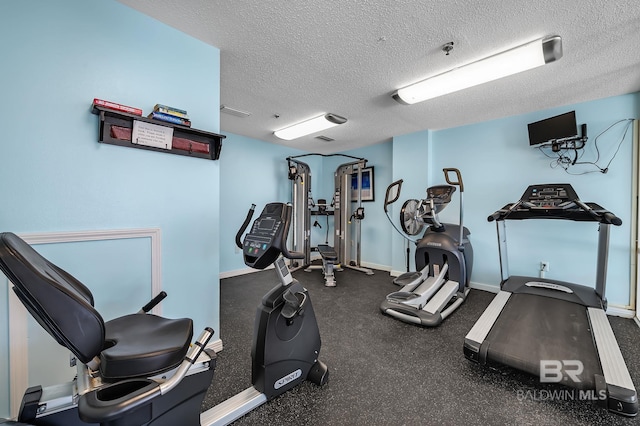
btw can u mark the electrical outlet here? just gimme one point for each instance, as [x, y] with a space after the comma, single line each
[544, 266]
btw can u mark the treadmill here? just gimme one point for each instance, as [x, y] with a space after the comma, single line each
[555, 330]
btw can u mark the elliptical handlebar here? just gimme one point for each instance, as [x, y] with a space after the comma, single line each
[458, 181]
[388, 201]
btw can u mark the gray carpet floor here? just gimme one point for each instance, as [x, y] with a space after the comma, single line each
[386, 372]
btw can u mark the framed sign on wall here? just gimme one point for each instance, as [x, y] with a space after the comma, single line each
[367, 192]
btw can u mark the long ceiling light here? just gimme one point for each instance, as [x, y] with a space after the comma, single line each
[310, 126]
[513, 61]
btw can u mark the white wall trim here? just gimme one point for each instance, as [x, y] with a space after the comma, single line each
[375, 266]
[216, 345]
[18, 315]
[485, 287]
[243, 271]
[620, 311]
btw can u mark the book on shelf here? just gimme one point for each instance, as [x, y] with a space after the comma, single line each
[169, 118]
[171, 111]
[116, 106]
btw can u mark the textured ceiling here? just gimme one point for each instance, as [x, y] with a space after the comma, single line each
[286, 61]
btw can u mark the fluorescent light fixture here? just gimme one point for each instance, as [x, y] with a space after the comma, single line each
[307, 127]
[513, 61]
[234, 111]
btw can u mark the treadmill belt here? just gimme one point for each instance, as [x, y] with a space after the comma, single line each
[532, 328]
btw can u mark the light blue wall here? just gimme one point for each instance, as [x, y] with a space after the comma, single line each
[498, 164]
[58, 56]
[254, 171]
[375, 237]
[412, 164]
[251, 172]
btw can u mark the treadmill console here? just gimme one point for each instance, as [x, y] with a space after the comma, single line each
[554, 201]
[549, 196]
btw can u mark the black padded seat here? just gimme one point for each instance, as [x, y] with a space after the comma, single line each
[144, 345]
[131, 346]
[327, 252]
[61, 304]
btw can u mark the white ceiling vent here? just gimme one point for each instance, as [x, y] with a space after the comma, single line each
[325, 138]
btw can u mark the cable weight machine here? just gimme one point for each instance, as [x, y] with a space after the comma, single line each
[347, 220]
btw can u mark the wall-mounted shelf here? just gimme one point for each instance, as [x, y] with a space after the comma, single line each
[115, 129]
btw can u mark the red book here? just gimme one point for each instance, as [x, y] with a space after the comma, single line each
[124, 134]
[117, 107]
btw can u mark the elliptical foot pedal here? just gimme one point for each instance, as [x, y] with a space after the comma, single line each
[319, 373]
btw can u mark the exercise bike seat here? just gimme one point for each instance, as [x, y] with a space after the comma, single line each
[134, 345]
[143, 344]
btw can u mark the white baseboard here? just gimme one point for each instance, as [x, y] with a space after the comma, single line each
[395, 273]
[244, 271]
[376, 266]
[216, 345]
[238, 272]
[620, 311]
[491, 288]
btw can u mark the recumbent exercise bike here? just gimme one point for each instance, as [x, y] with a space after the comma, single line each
[141, 369]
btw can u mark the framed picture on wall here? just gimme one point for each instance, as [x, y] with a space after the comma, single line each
[367, 193]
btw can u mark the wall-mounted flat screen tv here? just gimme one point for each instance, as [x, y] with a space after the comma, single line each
[559, 127]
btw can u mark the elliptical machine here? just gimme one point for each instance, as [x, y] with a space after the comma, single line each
[141, 369]
[443, 257]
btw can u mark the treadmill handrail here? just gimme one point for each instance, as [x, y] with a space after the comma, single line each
[554, 201]
[585, 212]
